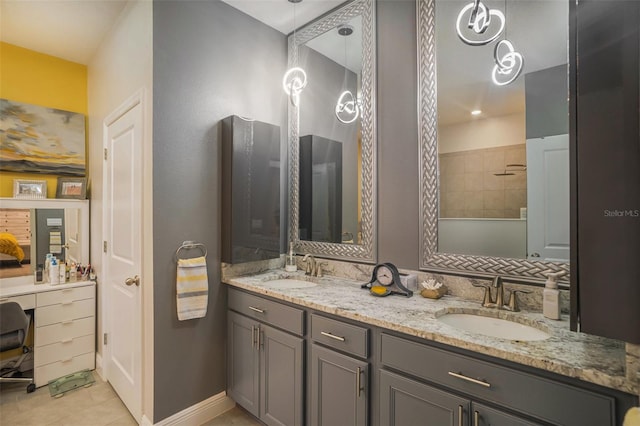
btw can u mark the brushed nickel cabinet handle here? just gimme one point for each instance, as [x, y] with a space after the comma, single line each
[258, 310]
[476, 418]
[358, 381]
[469, 379]
[333, 336]
[460, 414]
[253, 336]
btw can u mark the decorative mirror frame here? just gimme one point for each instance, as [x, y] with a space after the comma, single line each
[522, 270]
[367, 250]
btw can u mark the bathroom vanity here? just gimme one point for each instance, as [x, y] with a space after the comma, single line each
[392, 361]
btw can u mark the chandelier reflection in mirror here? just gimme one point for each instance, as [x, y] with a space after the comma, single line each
[479, 21]
[348, 105]
[508, 62]
[295, 79]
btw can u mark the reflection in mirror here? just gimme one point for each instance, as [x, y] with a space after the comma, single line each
[504, 149]
[332, 135]
[32, 228]
[27, 235]
[494, 137]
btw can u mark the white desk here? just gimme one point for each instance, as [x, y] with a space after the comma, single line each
[64, 325]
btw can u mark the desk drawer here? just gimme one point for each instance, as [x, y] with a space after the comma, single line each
[274, 313]
[504, 386]
[65, 295]
[63, 331]
[67, 311]
[58, 369]
[337, 334]
[65, 350]
[26, 301]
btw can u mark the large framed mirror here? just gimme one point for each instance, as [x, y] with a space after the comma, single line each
[494, 137]
[332, 135]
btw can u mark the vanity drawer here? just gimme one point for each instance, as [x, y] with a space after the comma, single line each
[64, 350]
[337, 334]
[65, 295]
[55, 370]
[539, 397]
[26, 301]
[63, 331]
[270, 312]
[63, 312]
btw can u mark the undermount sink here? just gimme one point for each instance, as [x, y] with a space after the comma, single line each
[494, 327]
[288, 283]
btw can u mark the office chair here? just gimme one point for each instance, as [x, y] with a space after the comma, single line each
[14, 328]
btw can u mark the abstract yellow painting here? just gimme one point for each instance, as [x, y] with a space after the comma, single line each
[36, 139]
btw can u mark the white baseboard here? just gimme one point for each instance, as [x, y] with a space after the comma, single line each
[99, 366]
[197, 414]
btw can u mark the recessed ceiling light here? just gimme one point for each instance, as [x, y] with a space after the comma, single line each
[476, 112]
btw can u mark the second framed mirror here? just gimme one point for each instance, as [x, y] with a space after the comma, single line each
[332, 137]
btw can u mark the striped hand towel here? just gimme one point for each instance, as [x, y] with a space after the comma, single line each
[192, 288]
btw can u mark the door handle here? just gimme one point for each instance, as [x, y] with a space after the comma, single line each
[131, 281]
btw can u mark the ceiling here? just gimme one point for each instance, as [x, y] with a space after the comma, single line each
[279, 14]
[67, 29]
[74, 29]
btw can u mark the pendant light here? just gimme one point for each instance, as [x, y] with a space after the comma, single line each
[347, 108]
[479, 21]
[295, 79]
[509, 62]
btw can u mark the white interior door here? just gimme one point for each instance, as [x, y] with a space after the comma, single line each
[122, 257]
[72, 236]
[548, 198]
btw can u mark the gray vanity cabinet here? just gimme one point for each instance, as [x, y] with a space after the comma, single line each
[265, 364]
[478, 381]
[338, 391]
[339, 386]
[243, 362]
[406, 402]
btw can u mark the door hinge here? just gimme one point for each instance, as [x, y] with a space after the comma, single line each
[104, 246]
[105, 153]
[104, 339]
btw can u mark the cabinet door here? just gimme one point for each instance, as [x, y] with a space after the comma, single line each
[281, 371]
[339, 389]
[405, 402]
[482, 415]
[242, 373]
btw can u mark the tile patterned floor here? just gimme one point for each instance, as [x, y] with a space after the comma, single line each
[97, 405]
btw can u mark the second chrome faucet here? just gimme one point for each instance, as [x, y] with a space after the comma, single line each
[488, 301]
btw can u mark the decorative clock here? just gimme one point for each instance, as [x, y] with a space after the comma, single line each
[385, 280]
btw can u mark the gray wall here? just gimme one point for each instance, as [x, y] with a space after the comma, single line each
[210, 61]
[547, 107]
[398, 198]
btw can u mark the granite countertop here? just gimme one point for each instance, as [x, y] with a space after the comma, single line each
[586, 357]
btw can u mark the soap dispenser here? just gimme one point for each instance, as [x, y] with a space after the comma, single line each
[551, 295]
[290, 263]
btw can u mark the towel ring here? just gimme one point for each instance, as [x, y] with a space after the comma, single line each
[188, 245]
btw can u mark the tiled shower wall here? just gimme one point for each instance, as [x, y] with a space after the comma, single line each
[469, 187]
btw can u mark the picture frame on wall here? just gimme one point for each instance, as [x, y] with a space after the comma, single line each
[70, 187]
[29, 189]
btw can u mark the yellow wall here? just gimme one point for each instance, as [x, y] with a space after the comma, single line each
[34, 78]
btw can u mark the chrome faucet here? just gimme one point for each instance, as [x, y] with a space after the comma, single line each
[311, 267]
[497, 284]
[488, 302]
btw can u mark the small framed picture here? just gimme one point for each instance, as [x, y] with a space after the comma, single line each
[29, 189]
[69, 187]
